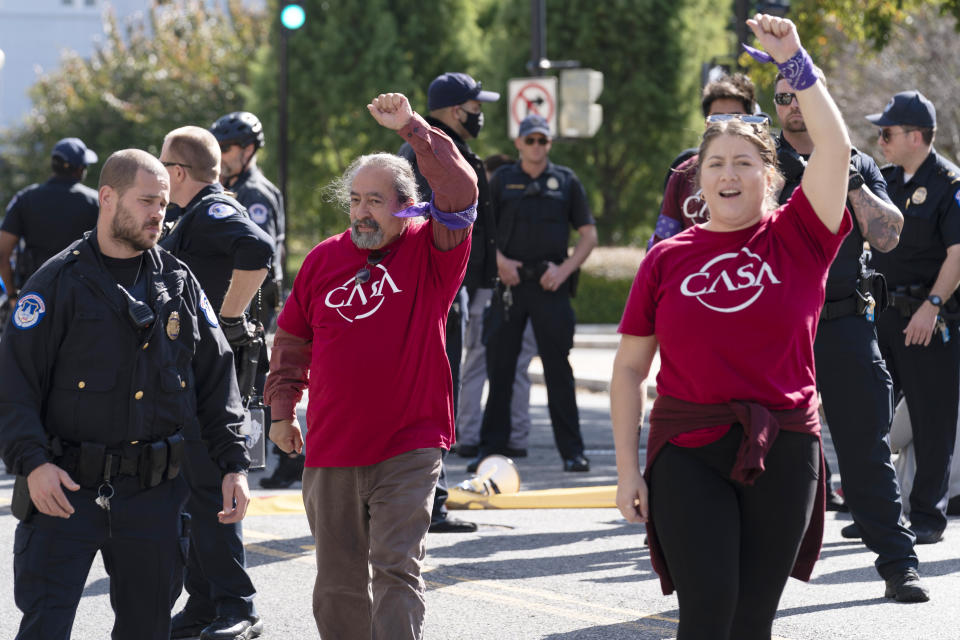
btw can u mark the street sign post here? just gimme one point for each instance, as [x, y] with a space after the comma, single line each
[531, 96]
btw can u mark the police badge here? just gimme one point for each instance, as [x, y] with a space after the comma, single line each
[173, 325]
[919, 196]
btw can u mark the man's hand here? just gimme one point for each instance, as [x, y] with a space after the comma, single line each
[920, 328]
[286, 434]
[553, 277]
[507, 269]
[632, 498]
[777, 36]
[239, 331]
[45, 492]
[391, 110]
[236, 497]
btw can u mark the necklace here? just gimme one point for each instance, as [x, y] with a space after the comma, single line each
[137, 277]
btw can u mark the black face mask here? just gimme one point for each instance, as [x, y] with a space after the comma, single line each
[473, 123]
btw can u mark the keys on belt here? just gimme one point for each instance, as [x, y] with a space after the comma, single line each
[944, 330]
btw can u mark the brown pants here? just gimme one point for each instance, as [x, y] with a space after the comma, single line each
[370, 524]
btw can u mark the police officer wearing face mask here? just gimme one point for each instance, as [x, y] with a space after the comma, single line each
[49, 216]
[455, 102]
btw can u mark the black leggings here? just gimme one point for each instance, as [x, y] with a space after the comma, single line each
[729, 547]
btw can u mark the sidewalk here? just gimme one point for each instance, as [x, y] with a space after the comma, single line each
[594, 348]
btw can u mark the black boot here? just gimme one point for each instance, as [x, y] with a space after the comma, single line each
[288, 471]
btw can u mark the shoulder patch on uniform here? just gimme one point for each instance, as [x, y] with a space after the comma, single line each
[30, 310]
[221, 210]
[956, 196]
[207, 310]
[258, 212]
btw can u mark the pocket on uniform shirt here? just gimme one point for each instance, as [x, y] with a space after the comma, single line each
[917, 232]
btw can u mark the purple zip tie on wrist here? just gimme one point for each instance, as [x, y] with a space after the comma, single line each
[798, 71]
[450, 219]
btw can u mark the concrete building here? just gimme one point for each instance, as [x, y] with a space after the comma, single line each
[34, 35]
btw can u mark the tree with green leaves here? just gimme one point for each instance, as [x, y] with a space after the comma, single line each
[650, 52]
[184, 63]
[345, 54]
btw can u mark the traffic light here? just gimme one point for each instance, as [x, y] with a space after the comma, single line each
[292, 16]
[580, 116]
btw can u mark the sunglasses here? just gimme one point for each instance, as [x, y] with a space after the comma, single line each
[177, 164]
[886, 134]
[531, 141]
[784, 99]
[726, 117]
[373, 259]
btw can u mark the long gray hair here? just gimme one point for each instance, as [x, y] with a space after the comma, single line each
[404, 182]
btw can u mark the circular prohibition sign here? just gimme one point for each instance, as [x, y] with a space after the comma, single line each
[532, 98]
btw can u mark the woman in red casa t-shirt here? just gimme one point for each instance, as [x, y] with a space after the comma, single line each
[735, 502]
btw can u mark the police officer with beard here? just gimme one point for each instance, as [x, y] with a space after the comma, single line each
[855, 386]
[230, 256]
[918, 333]
[455, 102]
[116, 352]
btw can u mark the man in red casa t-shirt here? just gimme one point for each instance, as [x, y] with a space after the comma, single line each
[365, 325]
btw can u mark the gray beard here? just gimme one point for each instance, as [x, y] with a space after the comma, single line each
[366, 239]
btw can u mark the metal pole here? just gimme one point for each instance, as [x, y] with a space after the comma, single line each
[741, 13]
[538, 37]
[282, 120]
[282, 125]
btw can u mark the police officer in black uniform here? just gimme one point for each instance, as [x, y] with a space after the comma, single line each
[854, 384]
[240, 135]
[230, 256]
[49, 216]
[918, 333]
[116, 353]
[455, 102]
[535, 203]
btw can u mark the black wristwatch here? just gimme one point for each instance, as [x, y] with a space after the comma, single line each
[935, 301]
[854, 182]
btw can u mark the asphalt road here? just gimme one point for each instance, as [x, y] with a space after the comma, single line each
[556, 574]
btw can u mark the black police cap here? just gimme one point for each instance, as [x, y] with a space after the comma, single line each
[239, 127]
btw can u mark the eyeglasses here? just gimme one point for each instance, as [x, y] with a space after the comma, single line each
[885, 134]
[743, 117]
[176, 164]
[373, 259]
[532, 141]
[784, 99]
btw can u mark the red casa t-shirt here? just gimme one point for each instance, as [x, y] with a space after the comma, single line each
[735, 313]
[379, 380]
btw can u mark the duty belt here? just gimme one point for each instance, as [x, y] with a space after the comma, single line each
[92, 463]
[839, 308]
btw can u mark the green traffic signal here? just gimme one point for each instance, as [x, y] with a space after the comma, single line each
[293, 16]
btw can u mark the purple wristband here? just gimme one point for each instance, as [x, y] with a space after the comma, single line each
[450, 219]
[798, 71]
